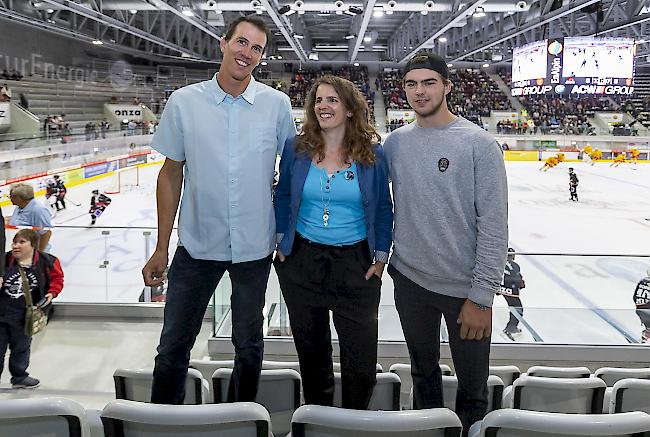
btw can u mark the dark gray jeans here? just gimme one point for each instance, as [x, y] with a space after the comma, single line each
[13, 335]
[191, 284]
[420, 312]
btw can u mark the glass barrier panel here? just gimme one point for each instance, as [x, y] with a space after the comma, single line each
[566, 299]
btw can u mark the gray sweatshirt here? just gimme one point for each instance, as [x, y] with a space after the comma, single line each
[451, 209]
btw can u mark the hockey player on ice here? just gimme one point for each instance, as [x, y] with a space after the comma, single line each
[642, 301]
[513, 282]
[98, 203]
[573, 185]
[618, 160]
[62, 191]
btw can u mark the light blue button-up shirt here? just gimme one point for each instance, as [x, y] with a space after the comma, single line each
[229, 146]
[33, 214]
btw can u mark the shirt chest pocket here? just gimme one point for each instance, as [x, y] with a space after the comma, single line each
[262, 137]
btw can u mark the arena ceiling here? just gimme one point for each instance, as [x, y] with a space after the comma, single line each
[466, 32]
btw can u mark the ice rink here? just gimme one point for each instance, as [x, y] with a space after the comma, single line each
[573, 299]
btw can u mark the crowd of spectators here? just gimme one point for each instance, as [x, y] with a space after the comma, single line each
[56, 126]
[302, 81]
[563, 115]
[640, 112]
[11, 75]
[132, 127]
[472, 96]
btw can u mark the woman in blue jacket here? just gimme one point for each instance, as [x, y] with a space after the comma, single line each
[334, 217]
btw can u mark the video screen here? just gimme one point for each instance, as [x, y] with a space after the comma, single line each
[598, 57]
[529, 62]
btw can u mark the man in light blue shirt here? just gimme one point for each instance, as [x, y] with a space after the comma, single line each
[29, 212]
[220, 138]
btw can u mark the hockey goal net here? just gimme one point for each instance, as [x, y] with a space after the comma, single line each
[123, 179]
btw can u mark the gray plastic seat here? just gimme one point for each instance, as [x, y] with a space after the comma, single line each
[337, 367]
[450, 389]
[630, 395]
[404, 373]
[559, 372]
[138, 419]
[318, 421]
[135, 385]
[508, 374]
[521, 423]
[208, 367]
[611, 375]
[385, 395]
[51, 417]
[557, 395]
[278, 392]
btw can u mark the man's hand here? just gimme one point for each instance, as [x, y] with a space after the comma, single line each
[475, 323]
[154, 271]
[281, 257]
[49, 297]
[375, 269]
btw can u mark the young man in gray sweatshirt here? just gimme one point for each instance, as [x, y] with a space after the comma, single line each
[450, 238]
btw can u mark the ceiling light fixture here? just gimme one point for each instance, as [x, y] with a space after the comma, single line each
[133, 11]
[442, 39]
[354, 10]
[486, 65]
[98, 42]
[286, 10]
[298, 36]
[356, 64]
[367, 39]
[351, 36]
[479, 12]
[187, 11]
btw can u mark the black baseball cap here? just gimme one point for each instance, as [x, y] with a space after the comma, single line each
[428, 61]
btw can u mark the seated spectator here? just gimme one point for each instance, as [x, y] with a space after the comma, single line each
[5, 93]
[15, 75]
[23, 100]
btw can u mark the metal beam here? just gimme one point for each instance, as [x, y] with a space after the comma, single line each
[451, 22]
[105, 19]
[13, 16]
[194, 21]
[365, 19]
[639, 19]
[286, 30]
[540, 21]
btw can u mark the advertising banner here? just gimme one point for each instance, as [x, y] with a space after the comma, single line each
[127, 112]
[5, 115]
[98, 169]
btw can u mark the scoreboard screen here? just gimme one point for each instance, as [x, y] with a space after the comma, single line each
[574, 66]
[529, 62]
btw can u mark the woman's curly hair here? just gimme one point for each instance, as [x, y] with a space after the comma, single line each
[360, 136]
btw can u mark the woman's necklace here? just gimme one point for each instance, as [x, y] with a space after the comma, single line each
[326, 204]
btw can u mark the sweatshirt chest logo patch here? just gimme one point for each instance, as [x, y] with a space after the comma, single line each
[443, 164]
